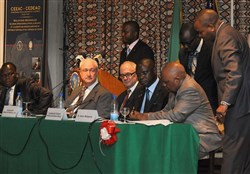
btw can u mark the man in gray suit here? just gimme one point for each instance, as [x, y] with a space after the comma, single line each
[189, 104]
[231, 68]
[91, 95]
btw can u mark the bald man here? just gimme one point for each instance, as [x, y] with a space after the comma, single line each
[189, 104]
[231, 68]
[94, 95]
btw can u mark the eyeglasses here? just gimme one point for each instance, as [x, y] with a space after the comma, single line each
[90, 70]
[127, 75]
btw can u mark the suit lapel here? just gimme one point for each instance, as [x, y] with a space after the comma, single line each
[91, 96]
[154, 97]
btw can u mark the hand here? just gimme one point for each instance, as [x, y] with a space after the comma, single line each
[221, 113]
[138, 115]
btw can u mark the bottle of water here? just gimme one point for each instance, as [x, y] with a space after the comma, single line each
[19, 103]
[114, 114]
[61, 101]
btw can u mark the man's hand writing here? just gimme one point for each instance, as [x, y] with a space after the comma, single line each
[138, 115]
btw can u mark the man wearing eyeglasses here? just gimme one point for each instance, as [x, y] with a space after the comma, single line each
[195, 56]
[153, 97]
[130, 81]
[91, 95]
[40, 98]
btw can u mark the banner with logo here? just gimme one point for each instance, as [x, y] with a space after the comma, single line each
[25, 36]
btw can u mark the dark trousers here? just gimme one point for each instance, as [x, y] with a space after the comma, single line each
[236, 145]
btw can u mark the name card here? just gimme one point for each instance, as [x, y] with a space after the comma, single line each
[56, 114]
[10, 111]
[85, 115]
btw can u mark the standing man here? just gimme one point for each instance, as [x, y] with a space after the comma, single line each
[130, 81]
[195, 56]
[135, 48]
[91, 95]
[231, 66]
[40, 98]
[152, 97]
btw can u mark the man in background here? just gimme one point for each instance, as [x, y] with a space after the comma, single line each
[130, 81]
[195, 56]
[231, 68]
[91, 95]
[40, 98]
[152, 97]
[187, 103]
[135, 48]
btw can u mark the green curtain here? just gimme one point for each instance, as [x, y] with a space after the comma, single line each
[174, 46]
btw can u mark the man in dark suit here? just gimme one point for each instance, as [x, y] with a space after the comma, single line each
[135, 48]
[187, 103]
[40, 98]
[91, 95]
[195, 56]
[130, 81]
[153, 97]
[231, 67]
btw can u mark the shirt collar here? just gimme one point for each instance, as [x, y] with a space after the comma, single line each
[93, 85]
[133, 87]
[198, 49]
[153, 86]
[131, 46]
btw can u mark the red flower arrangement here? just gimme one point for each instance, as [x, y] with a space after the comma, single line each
[108, 132]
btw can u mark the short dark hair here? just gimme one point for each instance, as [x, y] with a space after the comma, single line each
[9, 63]
[134, 25]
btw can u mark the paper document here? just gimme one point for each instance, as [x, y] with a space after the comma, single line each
[153, 122]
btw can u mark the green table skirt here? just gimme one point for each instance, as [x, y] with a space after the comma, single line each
[33, 146]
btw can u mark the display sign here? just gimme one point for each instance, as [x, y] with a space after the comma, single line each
[24, 36]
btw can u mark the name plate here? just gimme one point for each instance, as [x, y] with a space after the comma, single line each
[10, 111]
[56, 114]
[85, 115]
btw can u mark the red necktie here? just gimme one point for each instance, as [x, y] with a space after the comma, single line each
[125, 99]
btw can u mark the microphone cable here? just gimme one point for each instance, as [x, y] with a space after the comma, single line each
[83, 150]
[26, 142]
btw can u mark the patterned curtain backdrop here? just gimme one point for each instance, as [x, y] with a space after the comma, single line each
[94, 27]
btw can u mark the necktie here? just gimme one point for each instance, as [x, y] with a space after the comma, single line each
[147, 99]
[73, 108]
[128, 51]
[80, 99]
[192, 63]
[125, 99]
[7, 96]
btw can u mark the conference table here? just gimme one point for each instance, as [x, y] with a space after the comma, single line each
[39, 146]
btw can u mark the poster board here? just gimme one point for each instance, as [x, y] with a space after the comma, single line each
[24, 36]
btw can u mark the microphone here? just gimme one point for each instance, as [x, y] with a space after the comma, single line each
[63, 83]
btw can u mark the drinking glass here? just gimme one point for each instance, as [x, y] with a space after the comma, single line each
[125, 111]
[26, 112]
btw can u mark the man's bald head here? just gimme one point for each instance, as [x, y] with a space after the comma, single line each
[207, 16]
[173, 74]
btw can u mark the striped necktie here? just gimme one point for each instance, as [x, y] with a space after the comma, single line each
[125, 99]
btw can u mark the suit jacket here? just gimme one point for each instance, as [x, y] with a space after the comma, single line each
[41, 98]
[158, 99]
[98, 99]
[139, 51]
[131, 100]
[203, 73]
[231, 66]
[190, 105]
